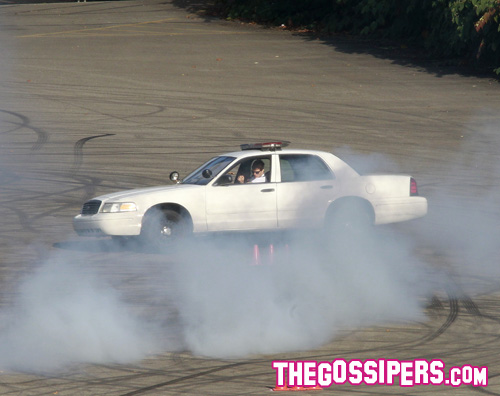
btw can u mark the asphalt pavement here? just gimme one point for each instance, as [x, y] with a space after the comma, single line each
[103, 96]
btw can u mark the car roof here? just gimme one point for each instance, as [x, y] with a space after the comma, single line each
[256, 152]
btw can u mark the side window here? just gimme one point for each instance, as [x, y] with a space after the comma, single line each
[243, 172]
[303, 167]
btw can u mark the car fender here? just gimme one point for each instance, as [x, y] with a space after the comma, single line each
[349, 203]
[188, 200]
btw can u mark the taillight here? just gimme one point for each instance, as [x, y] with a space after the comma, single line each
[413, 187]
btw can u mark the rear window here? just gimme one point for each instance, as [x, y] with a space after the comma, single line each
[303, 167]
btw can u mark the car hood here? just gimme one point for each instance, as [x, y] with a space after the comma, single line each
[144, 192]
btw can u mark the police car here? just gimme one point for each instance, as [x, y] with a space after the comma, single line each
[263, 187]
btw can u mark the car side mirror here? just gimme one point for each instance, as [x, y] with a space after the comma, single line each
[174, 176]
[224, 180]
[207, 173]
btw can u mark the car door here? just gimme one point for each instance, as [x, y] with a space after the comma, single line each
[242, 206]
[306, 188]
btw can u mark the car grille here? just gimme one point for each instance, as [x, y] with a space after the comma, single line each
[91, 207]
[90, 232]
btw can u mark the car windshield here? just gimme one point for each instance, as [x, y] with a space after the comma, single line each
[215, 165]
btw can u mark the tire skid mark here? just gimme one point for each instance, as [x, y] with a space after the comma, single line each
[186, 378]
[86, 184]
[450, 319]
[78, 150]
[247, 109]
[24, 220]
[453, 314]
[34, 195]
[471, 307]
[78, 180]
[75, 183]
[486, 391]
[158, 109]
[454, 310]
[24, 122]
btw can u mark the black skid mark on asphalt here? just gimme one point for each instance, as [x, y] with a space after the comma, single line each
[470, 306]
[78, 150]
[487, 391]
[187, 378]
[452, 316]
[24, 122]
[454, 310]
[89, 188]
[435, 304]
[24, 221]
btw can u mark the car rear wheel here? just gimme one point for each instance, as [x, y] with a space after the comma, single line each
[161, 228]
[349, 219]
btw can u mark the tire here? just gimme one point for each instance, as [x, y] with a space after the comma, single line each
[162, 228]
[349, 219]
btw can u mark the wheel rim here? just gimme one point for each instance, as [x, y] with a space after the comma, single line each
[160, 228]
[167, 230]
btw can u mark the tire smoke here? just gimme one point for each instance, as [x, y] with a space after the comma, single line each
[301, 300]
[66, 315]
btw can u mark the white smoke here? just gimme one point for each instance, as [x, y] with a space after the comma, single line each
[232, 297]
[226, 306]
[230, 303]
[227, 302]
[231, 308]
[66, 314]
[462, 230]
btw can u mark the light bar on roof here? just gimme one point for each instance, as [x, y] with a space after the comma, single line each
[267, 146]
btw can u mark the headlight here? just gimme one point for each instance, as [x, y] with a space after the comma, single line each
[115, 207]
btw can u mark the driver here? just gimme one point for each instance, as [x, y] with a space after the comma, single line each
[258, 172]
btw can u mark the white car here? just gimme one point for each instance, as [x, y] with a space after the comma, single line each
[290, 189]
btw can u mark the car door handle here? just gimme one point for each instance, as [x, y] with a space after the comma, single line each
[267, 190]
[327, 187]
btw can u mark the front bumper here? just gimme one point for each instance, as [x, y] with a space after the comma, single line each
[108, 224]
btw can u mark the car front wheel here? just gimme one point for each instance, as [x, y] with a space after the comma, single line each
[163, 227]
